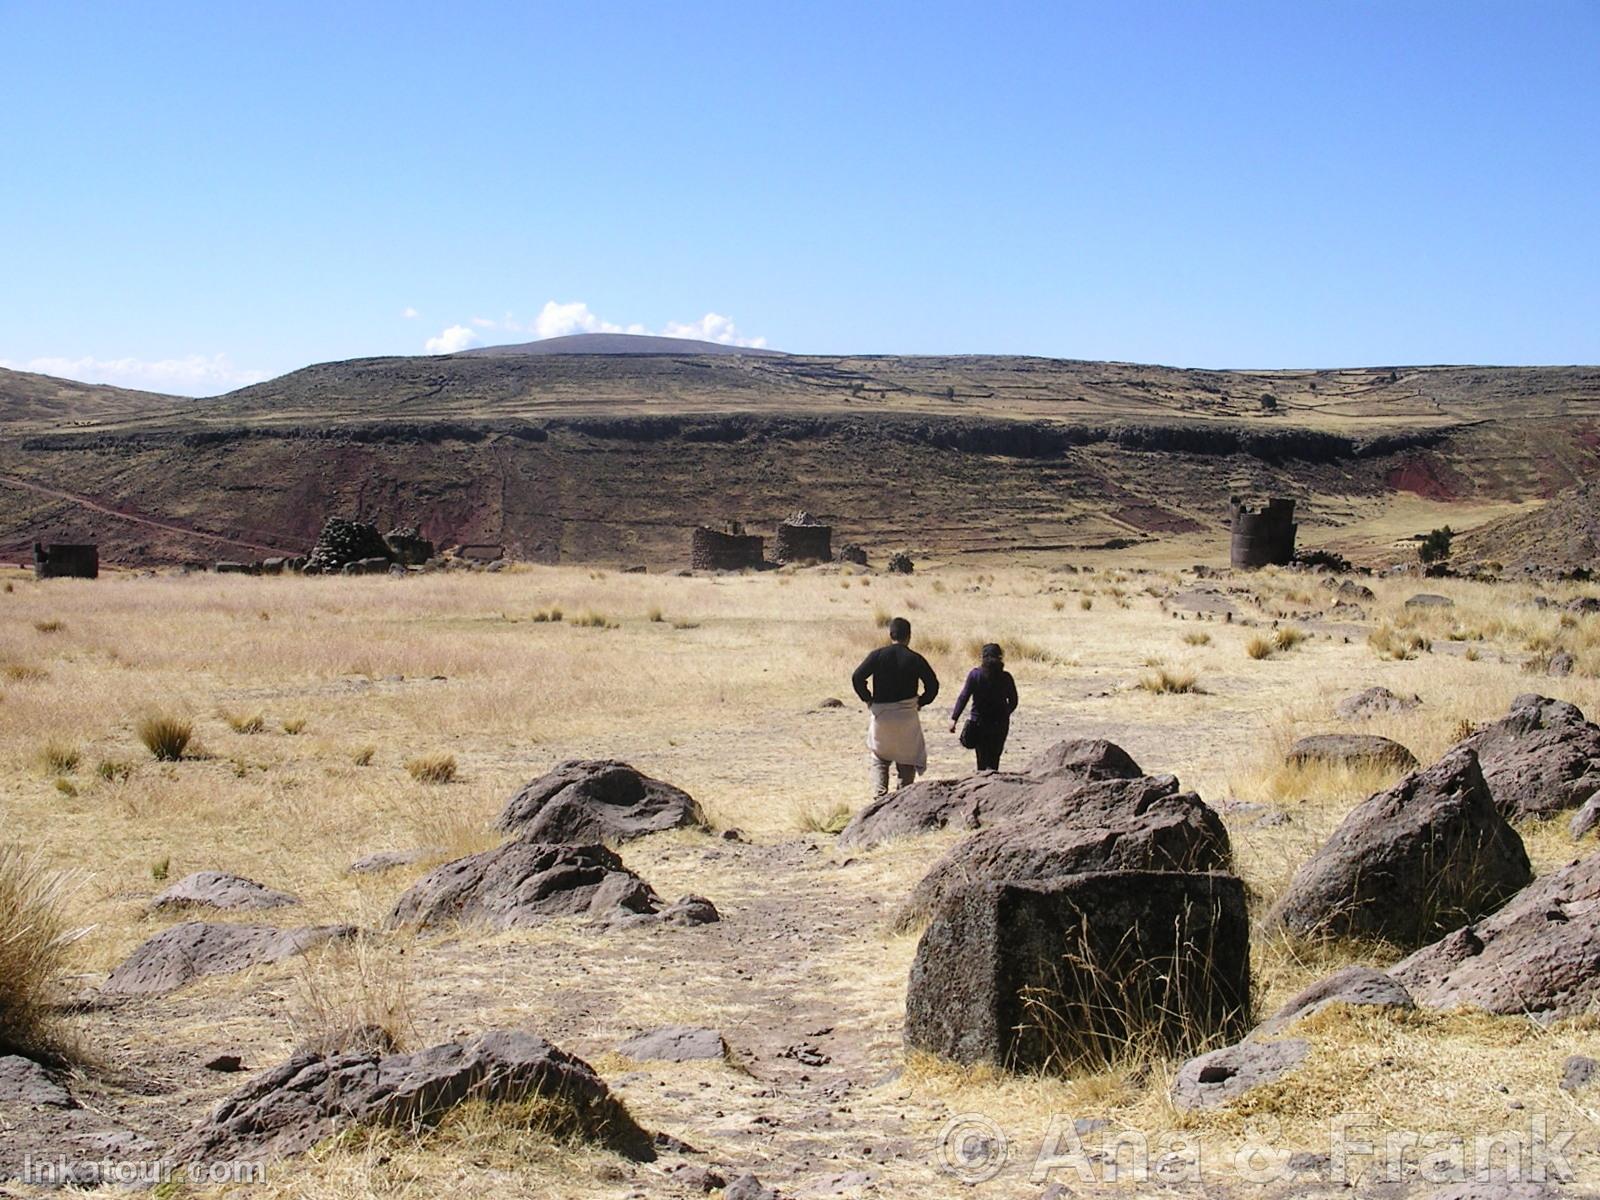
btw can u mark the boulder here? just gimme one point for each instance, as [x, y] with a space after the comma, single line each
[1350, 750]
[676, 1043]
[1374, 702]
[218, 889]
[1425, 856]
[1354, 985]
[25, 1083]
[593, 800]
[1214, 1079]
[1085, 759]
[852, 553]
[185, 952]
[1429, 600]
[408, 547]
[1075, 970]
[900, 563]
[1540, 954]
[380, 861]
[987, 797]
[1578, 1072]
[1541, 758]
[522, 884]
[1143, 824]
[307, 1099]
[376, 565]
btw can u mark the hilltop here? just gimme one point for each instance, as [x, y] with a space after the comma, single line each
[617, 343]
[611, 457]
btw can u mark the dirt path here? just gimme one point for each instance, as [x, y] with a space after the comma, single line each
[134, 518]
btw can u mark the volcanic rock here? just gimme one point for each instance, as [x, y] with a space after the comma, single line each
[217, 889]
[1540, 758]
[1350, 750]
[676, 1043]
[592, 800]
[185, 952]
[1374, 702]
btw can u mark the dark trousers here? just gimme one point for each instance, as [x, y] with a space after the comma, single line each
[989, 744]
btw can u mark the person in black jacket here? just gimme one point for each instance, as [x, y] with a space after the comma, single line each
[994, 698]
[896, 683]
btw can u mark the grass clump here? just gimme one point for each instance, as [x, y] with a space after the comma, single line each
[166, 737]
[656, 615]
[49, 626]
[1167, 681]
[245, 723]
[1397, 644]
[432, 768]
[1197, 637]
[1288, 638]
[59, 758]
[363, 756]
[812, 819]
[113, 770]
[1260, 646]
[547, 616]
[592, 620]
[33, 943]
[22, 673]
[294, 726]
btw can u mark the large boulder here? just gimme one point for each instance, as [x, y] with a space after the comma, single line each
[1541, 758]
[25, 1083]
[218, 889]
[1143, 824]
[1075, 970]
[987, 797]
[597, 800]
[1350, 750]
[522, 884]
[307, 1099]
[1423, 857]
[1539, 954]
[188, 951]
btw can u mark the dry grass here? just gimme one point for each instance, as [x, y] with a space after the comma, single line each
[245, 722]
[722, 702]
[166, 737]
[432, 768]
[1170, 681]
[1260, 646]
[34, 937]
[59, 758]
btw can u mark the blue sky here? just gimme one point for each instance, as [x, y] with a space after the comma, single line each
[193, 196]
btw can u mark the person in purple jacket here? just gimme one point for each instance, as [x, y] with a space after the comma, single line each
[993, 694]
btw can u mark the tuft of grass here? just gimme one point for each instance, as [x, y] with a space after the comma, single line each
[66, 787]
[363, 756]
[166, 737]
[294, 726]
[1288, 638]
[1085, 603]
[22, 673]
[1398, 644]
[1260, 646]
[49, 626]
[1169, 681]
[1197, 637]
[33, 945]
[686, 624]
[355, 995]
[113, 770]
[655, 615]
[547, 616]
[245, 723]
[432, 768]
[811, 819]
[161, 868]
[59, 758]
[590, 619]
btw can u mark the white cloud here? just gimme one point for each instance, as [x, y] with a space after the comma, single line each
[409, 313]
[563, 320]
[451, 341]
[713, 327]
[193, 375]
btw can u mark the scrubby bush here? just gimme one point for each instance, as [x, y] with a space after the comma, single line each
[33, 945]
[166, 737]
[1166, 681]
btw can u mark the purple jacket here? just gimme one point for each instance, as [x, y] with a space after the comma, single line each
[994, 698]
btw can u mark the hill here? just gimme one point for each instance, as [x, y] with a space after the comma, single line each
[30, 399]
[616, 343]
[1561, 537]
[611, 457]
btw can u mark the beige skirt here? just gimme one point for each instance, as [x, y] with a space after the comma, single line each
[895, 734]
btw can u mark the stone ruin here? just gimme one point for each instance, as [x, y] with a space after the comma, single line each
[63, 560]
[726, 550]
[852, 553]
[1262, 538]
[802, 538]
[408, 547]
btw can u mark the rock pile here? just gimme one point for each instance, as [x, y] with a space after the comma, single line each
[344, 543]
[408, 547]
[900, 563]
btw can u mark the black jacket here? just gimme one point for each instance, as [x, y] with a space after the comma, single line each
[895, 672]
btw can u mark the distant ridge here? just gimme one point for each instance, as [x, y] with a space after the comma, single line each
[616, 343]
